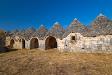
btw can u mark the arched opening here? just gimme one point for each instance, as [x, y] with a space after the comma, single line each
[12, 43]
[50, 43]
[34, 43]
[23, 43]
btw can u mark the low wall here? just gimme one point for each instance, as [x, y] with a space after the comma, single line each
[73, 42]
[87, 43]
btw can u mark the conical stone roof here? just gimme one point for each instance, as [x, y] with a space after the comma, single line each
[57, 30]
[41, 32]
[76, 27]
[27, 34]
[101, 26]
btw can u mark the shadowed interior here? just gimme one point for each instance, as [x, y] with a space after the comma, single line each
[50, 43]
[12, 43]
[34, 43]
[23, 43]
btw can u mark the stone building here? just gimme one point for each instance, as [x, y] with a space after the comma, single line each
[76, 37]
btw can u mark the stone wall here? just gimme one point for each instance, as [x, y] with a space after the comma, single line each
[73, 42]
[103, 42]
[17, 42]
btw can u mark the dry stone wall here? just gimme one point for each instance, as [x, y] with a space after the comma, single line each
[72, 43]
[99, 43]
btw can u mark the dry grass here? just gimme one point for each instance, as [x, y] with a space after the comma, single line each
[52, 62]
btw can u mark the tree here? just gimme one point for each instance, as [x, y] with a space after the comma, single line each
[2, 38]
[2, 33]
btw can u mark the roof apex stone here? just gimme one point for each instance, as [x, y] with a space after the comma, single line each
[75, 19]
[101, 14]
[56, 23]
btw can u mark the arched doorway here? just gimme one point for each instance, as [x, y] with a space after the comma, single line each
[50, 43]
[23, 43]
[34, 43]
[12, 43]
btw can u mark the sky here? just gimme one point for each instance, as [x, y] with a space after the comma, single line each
[22, 14]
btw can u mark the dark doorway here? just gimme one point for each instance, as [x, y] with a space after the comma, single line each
[73, 38]
[50, 43]
[23, 43]
[34, 43]
[12, 43]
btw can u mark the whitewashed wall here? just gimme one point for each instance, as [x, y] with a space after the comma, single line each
[103, 42]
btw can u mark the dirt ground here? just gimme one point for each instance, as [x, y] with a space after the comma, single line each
[52, 62]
